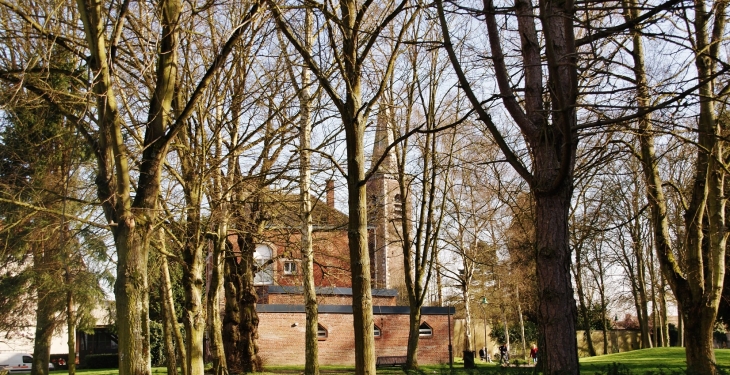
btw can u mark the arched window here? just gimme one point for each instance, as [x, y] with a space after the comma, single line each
[397, 206]
[321, 332]
[425, 330]
[376, 331]
[263, 254]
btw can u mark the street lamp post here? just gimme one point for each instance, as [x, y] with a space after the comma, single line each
[482, 303]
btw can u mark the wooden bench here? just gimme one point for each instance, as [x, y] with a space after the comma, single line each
[391, 360]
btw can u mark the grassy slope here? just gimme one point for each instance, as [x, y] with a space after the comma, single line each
[640, 361]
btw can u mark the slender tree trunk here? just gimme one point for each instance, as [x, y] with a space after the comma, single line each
[581, 300]
[354, 120]
[311, 366]
[215, 326]
[414, 325]
[663, 310]
[71, 331]
[522, 323]
[467, 320]
[680, 327]
[657, 331]
[439, 286]
[168, 323]
[191, 350]
[221, 203]
[604, 305]
[192, 360]
[642, 312]
[176, 339]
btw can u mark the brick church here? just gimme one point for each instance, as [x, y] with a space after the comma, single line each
[280, 306]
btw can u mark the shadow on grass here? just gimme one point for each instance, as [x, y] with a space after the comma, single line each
[621, 369]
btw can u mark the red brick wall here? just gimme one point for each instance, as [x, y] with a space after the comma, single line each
[282, 343]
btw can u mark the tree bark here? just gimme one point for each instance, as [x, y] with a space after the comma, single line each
[215, 326]
[240, 323]
[556, 308]
[71, 331]
[178, 352]
[45, 325]
[663, 312]
[220, 200]
[581, 299]
[311, 341]
[192, 361]
[169, 322]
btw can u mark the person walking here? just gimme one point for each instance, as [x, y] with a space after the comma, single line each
[533, 354]
[504, 354]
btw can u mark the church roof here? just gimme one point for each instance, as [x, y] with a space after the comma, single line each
[285, 210]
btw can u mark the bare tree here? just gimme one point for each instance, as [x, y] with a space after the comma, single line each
[128, 173]
[697, 280]
[352, 32]
[551, 136]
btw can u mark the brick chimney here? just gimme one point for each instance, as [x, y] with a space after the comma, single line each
[330, 189]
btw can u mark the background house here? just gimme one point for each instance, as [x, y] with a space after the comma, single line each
[280, 302]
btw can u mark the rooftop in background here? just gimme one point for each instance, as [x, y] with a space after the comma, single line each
[337, 291]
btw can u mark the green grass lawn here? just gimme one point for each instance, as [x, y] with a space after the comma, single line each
[658, 361]
[649, 360]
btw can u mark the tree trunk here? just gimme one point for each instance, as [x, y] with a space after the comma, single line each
[132, 298]
[168, 325]
[581, 300]
[215, 327]
[604, 305]
[663, 309]
[177, 353]
[655, 320]
[414, 327]
[191, 360]
[522, 323]
[362, 301]
[642, 307]
[467, 317]
[556, 311]
[311, 346]
[132, 219]
[45, 325]
[698, 328]
[221, 197]
[240, 323]
[71, 331]
[680, 327]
